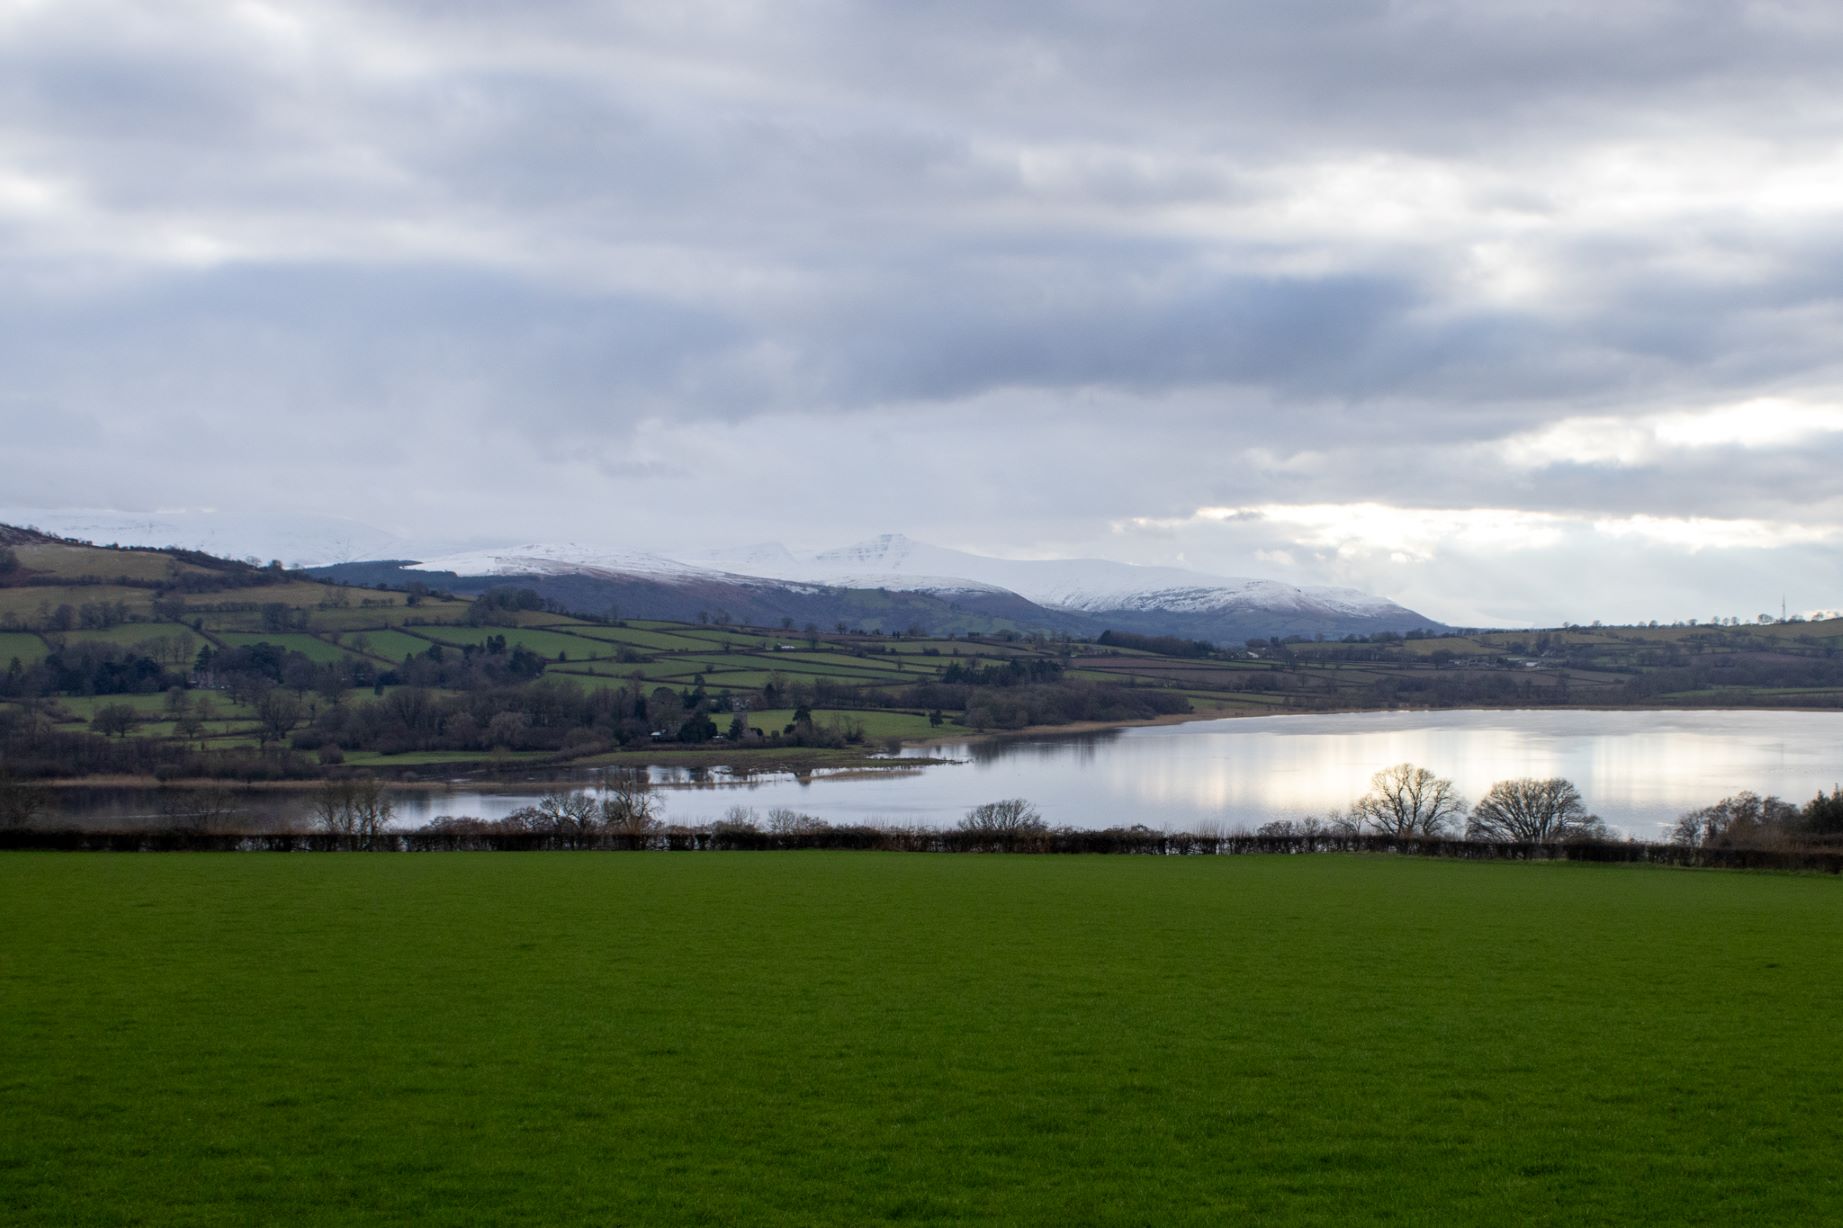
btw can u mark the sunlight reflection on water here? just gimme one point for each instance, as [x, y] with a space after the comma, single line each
[1637, 770]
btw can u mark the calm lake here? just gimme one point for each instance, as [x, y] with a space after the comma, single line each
[1637, 770]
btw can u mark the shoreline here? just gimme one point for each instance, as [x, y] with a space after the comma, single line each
[1185, 718]
[793, 761]
[1075, 727]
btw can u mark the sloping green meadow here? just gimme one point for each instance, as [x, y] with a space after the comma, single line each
[845, 1039]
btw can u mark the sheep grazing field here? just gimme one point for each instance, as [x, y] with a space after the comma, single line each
[834, 1038]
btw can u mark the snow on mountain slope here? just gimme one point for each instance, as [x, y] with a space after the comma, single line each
[1132, 595]
[844, 569]
[902, 564]
[760, 559]
[751, 565]
[1214, 605]
[555, 560]
[904, 583]
[1087, 585]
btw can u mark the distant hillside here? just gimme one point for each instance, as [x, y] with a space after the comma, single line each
[294, 539]
[170, 664]
[888, 582]
[173, 664]
[716, 596]
[893, 583]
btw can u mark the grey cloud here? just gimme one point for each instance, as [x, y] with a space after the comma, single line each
[1068, 323]
[789, 238]
[344, 337]
[1362, 72]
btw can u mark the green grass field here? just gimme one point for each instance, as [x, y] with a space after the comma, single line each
[372, 631]
[83, 707]
[72, 562]
[128, 635]
[389, 646]
[423, 758]
[547, 644]
[311, 647]
[877, 723]
[640, 637]
[25, 603]
[737, 639]
[378, 610]
[736, 678]
[22, 646]
[849, 1039]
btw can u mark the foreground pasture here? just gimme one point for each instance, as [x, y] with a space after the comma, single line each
[849, 1038]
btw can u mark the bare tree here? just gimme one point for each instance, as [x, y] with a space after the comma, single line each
[330, 685]
[358, 810]
[739, 819]
[189, 721]
[195, 811]
[277, 713]
[629, 807]
[114, 720]
[1739, 821]
[1311, 826]
[20, 802]
[1341, 823]
[1532, 811]
[574, 816]
[1408, 801]
[784, 821]
[1013, 816]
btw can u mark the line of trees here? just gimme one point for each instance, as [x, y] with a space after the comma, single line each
[356, 810]
[1747, 820]
[1164, 645]
[474, 700]
[625, 813]
[473, 834]
[95, 669]
[1409, 802]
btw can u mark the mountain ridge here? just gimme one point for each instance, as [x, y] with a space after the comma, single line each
[1086, 595]
[1091, 585]
[889, 581]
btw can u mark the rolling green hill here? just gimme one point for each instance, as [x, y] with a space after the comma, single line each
[173, 663]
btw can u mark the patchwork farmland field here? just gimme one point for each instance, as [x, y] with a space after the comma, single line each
[405, 679]
[844, 1039]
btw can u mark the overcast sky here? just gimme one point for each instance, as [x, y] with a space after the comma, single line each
[1514, 312]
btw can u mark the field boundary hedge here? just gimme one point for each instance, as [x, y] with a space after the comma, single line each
[1117, 840]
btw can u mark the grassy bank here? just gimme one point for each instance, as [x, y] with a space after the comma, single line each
[836, 1038]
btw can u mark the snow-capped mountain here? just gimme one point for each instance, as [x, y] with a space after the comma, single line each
[641, 584]
[943, 589]
[902, 568]
[890, 581]
[559, 560]
[1088, 585]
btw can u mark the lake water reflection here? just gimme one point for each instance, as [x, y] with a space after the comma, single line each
[1637, 770]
